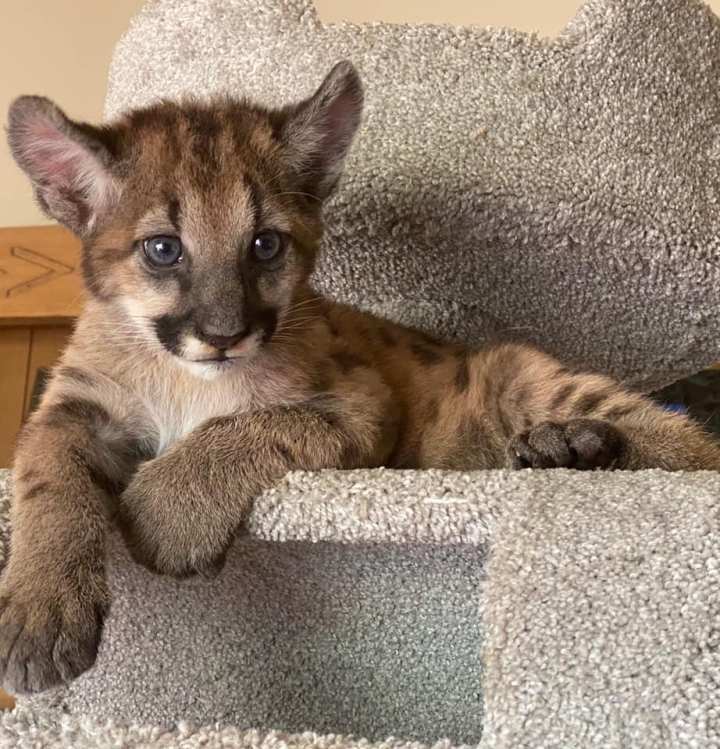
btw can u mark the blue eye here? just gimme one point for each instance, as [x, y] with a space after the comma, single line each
[163, 251]
[267, 245]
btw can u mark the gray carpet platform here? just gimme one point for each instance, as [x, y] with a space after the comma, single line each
[561, 191]
[493, 608]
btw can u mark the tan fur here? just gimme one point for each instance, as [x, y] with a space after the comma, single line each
[134, 427]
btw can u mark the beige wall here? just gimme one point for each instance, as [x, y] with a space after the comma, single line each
[545, 16]
[61, 48]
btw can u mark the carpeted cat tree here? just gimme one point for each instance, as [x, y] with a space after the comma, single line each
[563, 191]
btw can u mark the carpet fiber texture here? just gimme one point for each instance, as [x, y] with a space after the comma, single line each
[560, 191]
[507, 609]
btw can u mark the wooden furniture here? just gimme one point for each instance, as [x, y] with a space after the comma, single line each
[40, 295]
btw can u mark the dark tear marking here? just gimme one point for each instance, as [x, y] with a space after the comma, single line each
[266, 321]
[425, 353]
[168, 329]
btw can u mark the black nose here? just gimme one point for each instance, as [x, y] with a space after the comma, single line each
[222, 342]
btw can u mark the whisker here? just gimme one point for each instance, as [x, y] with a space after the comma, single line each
[302, 318]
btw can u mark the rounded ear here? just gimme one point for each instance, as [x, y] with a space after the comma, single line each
[67, 162]
[318, 132]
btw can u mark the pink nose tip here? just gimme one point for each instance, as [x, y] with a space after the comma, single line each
[224, 342]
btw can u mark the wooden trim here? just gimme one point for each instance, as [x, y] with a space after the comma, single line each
[14, 364]
[45, 348]
[40, 277]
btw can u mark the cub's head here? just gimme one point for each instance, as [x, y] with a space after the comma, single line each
[201, 221]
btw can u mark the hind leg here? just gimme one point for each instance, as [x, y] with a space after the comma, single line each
[547, 417]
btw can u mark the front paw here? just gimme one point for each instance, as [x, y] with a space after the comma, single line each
[583, 444]
[49, 633]
[170, 525]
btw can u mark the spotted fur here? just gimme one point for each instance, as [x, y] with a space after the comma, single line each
[188, 389]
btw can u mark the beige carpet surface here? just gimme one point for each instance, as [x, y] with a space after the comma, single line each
[530, 609]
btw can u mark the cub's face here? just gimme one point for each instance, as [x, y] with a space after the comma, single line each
[201, 221]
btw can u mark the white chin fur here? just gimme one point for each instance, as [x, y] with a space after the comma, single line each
[208, 370]
[192, 348]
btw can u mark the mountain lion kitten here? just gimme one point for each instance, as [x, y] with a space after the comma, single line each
[203, 367]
